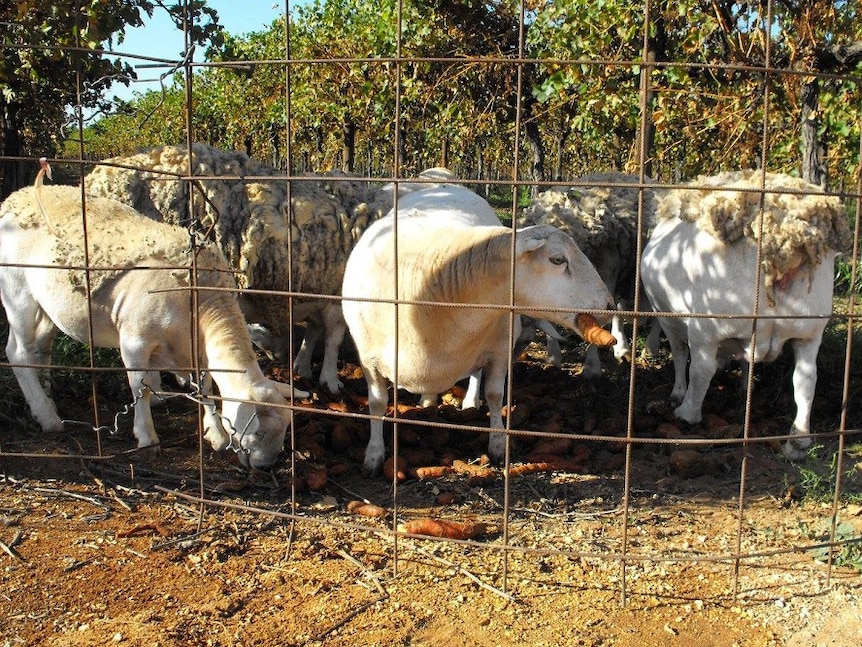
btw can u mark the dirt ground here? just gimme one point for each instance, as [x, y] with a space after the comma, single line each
[119, 550]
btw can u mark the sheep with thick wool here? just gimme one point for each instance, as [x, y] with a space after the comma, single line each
[279, 236]
[600, 212]
[135, 295]
[702, 259]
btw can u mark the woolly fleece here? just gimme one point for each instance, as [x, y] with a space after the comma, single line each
[125, 238]
[800, 223]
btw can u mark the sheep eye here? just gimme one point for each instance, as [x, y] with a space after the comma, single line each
[558, 260]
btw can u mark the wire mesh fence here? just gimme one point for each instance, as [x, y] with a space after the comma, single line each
[600, 486]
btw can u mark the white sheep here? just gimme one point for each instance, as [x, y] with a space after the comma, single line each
[443, 258]
[138, 302]
[701, 259]
[280, 236]
[600, 212]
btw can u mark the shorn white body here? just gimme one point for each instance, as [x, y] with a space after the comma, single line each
[443, 257]
[143, 312]
[685, 270]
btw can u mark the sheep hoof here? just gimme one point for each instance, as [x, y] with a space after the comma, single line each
[373, 468]
[624, 357]
[796, 449]
[151, 448]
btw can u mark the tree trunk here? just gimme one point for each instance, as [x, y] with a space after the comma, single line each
[537, 164]
[813, 151]
[348, 129]
[559, 165]
[13, 173]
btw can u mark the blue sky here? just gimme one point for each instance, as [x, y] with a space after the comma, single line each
[160, 38]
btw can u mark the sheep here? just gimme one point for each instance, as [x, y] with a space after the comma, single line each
[442, 257]
[279, 236]
[600, 212]
[135, 297]
[701, 259]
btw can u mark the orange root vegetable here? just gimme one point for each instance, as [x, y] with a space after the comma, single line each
[315, 478]
[556, 446]
[552, 464]
[592, 332]
[390, 470]
[433, 472]
[475, 473]
[366, 509]
[441, 528]
[445, 498]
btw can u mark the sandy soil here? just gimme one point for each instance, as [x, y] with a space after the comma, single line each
[120, 550]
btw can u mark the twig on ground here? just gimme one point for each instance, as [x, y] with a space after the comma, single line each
[180, 540]
[371, 576]
[9, 548]
[346, 619]
[468, 574]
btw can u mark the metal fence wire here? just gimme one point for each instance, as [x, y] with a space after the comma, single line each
[631, 467]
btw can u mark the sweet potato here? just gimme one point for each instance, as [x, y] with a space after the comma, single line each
[390, 470]
[315, 478]
[592, 332]
[441, 528]
[366, 509]
[557, 446]
[550, 464]
[476, 474]
[433, 472]
[445, 498]
[339, 437]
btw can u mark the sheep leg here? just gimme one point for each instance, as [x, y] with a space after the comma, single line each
[213, 428]
[552, 338]
[471, 399]
[335, 328]
[378, 398]
[592, 363]
[653, 339]
[30, 335]
[495, 381]
[302, 361]
[622, 349]
[700, 372]
[804, 383]
[679, 352]
[142, 382]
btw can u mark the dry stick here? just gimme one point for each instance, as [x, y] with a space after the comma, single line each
[350, 558]
[9, 548]
[383, 595]
[345, 619]
[180, 540]
[460, 569]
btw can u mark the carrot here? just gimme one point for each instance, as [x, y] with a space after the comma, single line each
[592, 332]
[441, 528]
[366, 509]
[433, 472]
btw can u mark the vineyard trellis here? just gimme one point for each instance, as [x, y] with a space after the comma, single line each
[527, 519]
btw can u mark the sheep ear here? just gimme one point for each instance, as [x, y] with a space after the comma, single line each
[526, 241]
[288, 389]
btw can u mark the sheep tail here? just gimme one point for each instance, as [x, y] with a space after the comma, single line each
[44, 171]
